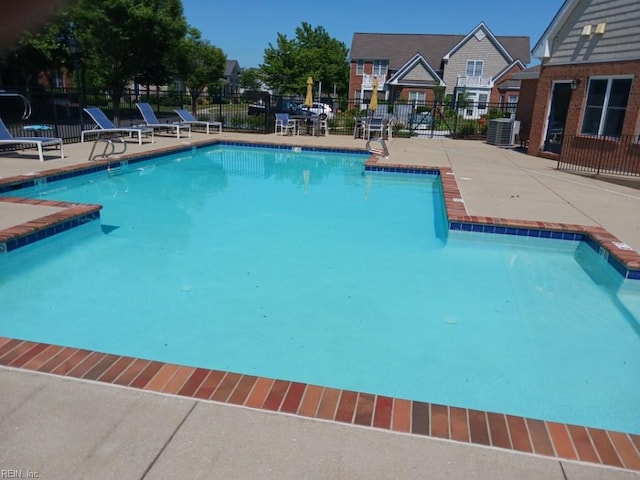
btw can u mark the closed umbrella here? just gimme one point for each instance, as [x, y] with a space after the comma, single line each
[309, 100]
[373, 105]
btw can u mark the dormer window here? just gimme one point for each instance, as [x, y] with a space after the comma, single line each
[474, 68]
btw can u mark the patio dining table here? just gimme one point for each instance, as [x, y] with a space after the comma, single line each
[308, 124]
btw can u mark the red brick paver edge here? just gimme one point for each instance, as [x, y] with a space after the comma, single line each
[617, 449]
[550, 439]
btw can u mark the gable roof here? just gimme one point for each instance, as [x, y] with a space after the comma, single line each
[416, 62]
[230, 66]
[399, 48]
[484, 30]
[507, 69]
[542, 48]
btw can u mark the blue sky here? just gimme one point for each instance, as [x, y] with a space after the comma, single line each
[244, 29]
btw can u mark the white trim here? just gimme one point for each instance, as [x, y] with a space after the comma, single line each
[543, 48]
[492, 39]
[407, 67]
[508, 68]
[605, 102]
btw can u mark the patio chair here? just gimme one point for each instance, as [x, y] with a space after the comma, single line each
[152, 121]
[375, 125]
[40, 142]
[323, 124]
[187, 118]
[286, 124]
[106, 126]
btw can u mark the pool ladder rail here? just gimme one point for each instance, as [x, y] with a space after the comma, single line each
[108, 142]
[27, 105]
[383, 150]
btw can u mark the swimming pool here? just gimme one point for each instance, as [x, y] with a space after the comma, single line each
[301, 266]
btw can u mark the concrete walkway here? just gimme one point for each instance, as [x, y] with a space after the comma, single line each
[66, 429]
[63, 428]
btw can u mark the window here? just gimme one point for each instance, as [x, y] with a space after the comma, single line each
[58, 79]
[606, 106]
[474, 68]
[360, 67]
[483, 98]
[417, 98]
[380, 67]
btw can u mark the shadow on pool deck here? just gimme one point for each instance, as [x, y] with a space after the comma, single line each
[67, 428]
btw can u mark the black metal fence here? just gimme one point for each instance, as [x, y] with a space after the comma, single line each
[61, 109]
[599, 154]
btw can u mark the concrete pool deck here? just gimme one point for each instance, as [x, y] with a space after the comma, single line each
[67, 428]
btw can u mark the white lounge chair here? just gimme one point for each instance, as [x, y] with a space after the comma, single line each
[104, 126]
[40, 142]
[187, 118]
[152, 121]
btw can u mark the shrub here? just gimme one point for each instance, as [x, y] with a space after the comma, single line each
[256, 122]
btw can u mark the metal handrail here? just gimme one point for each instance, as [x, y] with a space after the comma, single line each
[27, 105]
[384, 152]
[108, 143]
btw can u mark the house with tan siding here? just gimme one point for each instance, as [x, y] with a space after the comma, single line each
[409, 67]
[587, 90]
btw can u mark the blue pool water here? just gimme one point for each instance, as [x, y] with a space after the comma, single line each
[301, 266]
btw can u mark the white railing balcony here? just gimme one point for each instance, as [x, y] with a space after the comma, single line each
[475, 82]
[367, 81]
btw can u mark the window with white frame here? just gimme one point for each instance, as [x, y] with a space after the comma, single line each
[606, 106]
[360, 67]
[380, 67]
[418, 98]
[474, 68]
[483, 98]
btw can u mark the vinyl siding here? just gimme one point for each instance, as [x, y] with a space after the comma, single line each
[418, 74]
[485, 50]
[620, 41]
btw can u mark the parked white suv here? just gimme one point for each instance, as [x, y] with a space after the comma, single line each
[319, 108]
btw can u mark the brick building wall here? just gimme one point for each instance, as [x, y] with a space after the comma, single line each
[581, 72]
[526, 104]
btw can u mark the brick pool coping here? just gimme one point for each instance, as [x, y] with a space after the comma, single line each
[550, 439]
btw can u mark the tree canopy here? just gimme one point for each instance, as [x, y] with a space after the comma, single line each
[128, 39]
[199, 64]
[313, 53]
[251, 79]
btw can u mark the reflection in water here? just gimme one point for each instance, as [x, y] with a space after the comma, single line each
[305, 176]
[287, 165]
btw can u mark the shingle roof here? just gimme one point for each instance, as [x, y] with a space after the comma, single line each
[230, 65]
[399, 48]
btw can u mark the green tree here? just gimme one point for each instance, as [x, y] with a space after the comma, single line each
[251, 79]
[44, 50]
[126, 39]
[312, 53]
[199, 64]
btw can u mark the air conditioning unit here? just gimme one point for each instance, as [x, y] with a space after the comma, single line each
[502, 132]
